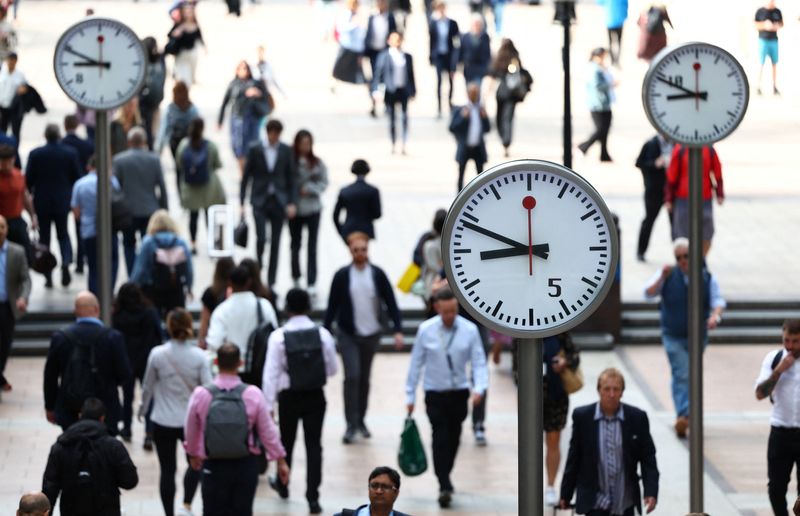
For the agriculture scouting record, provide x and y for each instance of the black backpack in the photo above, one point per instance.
(80, 380)
(194, 164)
(305, 360)
(256, 354)
(121, 218)
(86, 477)
(170, 267)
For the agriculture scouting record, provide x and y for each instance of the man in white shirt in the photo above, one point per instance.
(443, 347)
(12, 83)
(779, 380)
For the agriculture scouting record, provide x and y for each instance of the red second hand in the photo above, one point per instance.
(696, 67)
(528, 203)
(100, 40)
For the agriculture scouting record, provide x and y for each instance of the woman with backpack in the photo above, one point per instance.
(514, 83)
(175, 121)
(140, 324)
(163, 267)
(197, 163)
(174, 370)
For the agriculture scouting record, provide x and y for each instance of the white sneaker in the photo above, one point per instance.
(312, 291)
(183, 511)
(480, 437)
(550, 497)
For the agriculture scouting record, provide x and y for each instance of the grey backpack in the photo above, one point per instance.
(226, 424)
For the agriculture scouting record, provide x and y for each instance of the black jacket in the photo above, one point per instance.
(340, 305)
(84, 148)
(453, 41)
(654, 177)
(351, 512)
(51, 171)
(638, 450)
(283, 177)
(368, 36)
(113, 470)
(142, 332)
(362, 204)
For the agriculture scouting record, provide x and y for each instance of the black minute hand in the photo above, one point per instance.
(496, 236)
(84, 56)
(690, 92)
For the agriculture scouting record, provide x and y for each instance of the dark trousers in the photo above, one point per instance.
(474, 154)
(614, 44)
(296, 233)
(446, 411)
(596, 512)
(79, 251)
(602, 125)
(783, 453)
(229, 486)
(18, 233)
(357, 354)
(165, 439)
(505, 120)
(7, 323)
(127, 406)
(442, 64)
(11, 117)
(129, 240)
(48, 218)
(308, 406)
(148, 114)
(193, 216)
(479, 410)
(274, 213)
(90, 246)
(653, 200)
(391, 100)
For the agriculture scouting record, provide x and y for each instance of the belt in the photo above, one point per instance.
(787, 429)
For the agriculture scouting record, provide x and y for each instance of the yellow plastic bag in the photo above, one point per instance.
(409, 277)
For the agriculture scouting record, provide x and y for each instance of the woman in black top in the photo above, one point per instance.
(184, 40)
(514, 83)
(248, 98)
(214, 295)
(139, 323)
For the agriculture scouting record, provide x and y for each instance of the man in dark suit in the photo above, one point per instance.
(106, 347)
(468, 124)
(379, 26)
(51, 171)
(444, 42)
(15, 287)
(476, 51)
(613, 439)
(273, 171)
(85, 150)
(361, 203)
(653, 161)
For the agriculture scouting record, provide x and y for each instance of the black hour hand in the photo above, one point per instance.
(540, 250)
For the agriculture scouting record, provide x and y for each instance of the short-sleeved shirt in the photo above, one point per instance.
(210, 300)
(774, 15)
(12, 194)
(84, 196)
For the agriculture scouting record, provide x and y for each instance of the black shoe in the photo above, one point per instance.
(583, 148)
(314, 507)
(66, 278)
(445, 497)
(125, 433)
(606, 159)
(282, 490)
(349, 436)
(364, 431)
(148, 443)
(79, 269)
(640, 258)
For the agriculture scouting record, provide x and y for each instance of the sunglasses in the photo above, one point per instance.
(684, 256)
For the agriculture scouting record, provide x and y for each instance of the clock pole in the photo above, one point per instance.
(104, 230)
(530, 427)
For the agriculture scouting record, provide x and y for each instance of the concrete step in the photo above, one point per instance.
(722, 335)
(731, 317)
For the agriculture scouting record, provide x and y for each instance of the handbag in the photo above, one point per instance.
(571, 379)
(411, 455)
(240, 233)
(43, 260)
(406, 281)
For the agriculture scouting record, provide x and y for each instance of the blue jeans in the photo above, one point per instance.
(90, 247)
(677, 349)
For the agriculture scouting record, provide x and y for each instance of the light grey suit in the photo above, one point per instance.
(18, 285)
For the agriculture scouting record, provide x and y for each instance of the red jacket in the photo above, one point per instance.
(677, 186)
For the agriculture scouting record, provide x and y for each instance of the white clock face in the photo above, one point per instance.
(695, 94)
(100, 63)
(530, 248)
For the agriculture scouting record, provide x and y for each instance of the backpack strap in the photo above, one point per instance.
(775, 361)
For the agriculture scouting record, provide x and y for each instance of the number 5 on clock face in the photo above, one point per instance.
(530, 248)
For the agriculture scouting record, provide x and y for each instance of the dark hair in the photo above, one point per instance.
(246, 65)
(91, 163)
(597, 52)
(240, 277)
(222, 274)
(151, 46)
(180, 95)
(7, 151)
(444, 294)
(438, 220)
(505, 54)
(195, 133)
(51, 133)
(71, 122)
(179, 324)
(12, 55)
(130, 298)
(386, 470)
(360, 167)
(791, 326)
(312, 159)
(298, 302)
(256, 286)
(92, 408)
(228, 357)
(274, 125)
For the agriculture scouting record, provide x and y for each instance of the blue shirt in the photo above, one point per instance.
(365, 511)
(3, 260)
(443, 353)
(84, 197)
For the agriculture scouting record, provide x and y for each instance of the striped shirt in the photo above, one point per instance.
(613, 495)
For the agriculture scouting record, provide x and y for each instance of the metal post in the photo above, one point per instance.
(104, 237)
(565, 20)
(530, 412)
(696, 322)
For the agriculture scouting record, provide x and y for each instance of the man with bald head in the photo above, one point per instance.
(86, 359)
(15, 287)
(34, 504)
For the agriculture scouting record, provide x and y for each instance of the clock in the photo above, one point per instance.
(695, 94)
(100, 63)
(530, 248)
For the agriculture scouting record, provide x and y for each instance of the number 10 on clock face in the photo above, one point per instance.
(530, 248)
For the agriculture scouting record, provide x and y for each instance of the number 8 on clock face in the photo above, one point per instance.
(530, 248)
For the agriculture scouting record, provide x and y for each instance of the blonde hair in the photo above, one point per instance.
(161, 221)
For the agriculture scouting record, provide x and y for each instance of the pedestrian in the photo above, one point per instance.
(163, 268)
(445, 40)
(51, 172)
(312, 181)
(126, 119)
(653, 161)
(610, 443)
(184, 43)
(84, 208)
(431, 261)
(769, 21)
(14, 197)
(140, 324)
(300, 358)
(201, 188)
(8, 36)
(174, 370)
(616, 14)
(778, 380)
(600, 96)
(87, 466)
(383, 490)
(175, 120)
(86, 117)
(514, 82)
(152, 92)
(361, 203)
(227, 427)
(34, 504)
(85, 150)
(394, 69)
(213, 296)
(266, 74)
(443, 346)
(248, 99)
(475, 52)
(676, 192)
(12, 84)
(350, 32)
(468, 124)
(235, 318)
(271, 168)
(498, 12)
(85, 360)
(401, 10)
(379, 26)
(359, 294)
(15, 289)
(652, 33)
(257, 286)
(671, 284)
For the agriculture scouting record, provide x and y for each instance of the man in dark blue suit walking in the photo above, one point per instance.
(51, 171)
(468, 124)
(85, 150)
(361, 203)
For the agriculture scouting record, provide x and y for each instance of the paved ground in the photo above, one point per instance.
(752, 254)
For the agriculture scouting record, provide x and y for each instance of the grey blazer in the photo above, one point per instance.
(139, 173)
(18, 280)
(283, 178)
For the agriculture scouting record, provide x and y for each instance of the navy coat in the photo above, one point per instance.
(84, 148)
(453, 40)
(459, 126)
(362, 204)
(51, 171)
(283, 177)
(475, 54)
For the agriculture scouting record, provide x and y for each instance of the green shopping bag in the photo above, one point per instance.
(411, 455)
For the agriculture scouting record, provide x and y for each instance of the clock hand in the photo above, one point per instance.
(496, 236)
(528, 203)
(84, 56)
(540, 250)
(665, 81)
(701, 95)
(92, 63)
